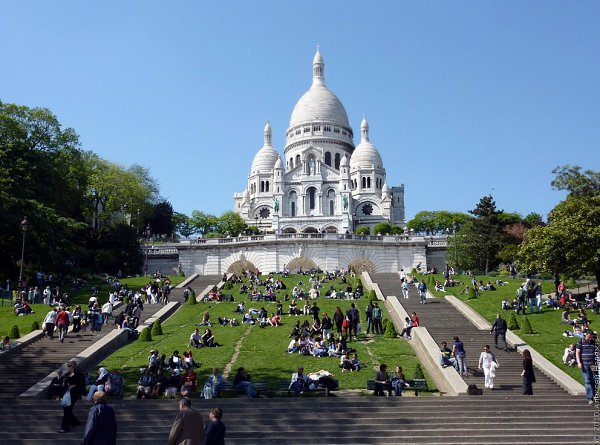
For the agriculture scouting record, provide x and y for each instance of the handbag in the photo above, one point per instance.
(66, 399)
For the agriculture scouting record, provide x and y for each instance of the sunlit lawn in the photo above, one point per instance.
(264, 350)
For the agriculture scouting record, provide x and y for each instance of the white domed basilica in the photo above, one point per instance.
(324, 183)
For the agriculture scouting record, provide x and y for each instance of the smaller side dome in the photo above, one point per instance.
(278, 164)
(265, 159)
(344, 162)
(365, 154)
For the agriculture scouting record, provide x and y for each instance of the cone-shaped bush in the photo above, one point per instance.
(526, 327)
(372, 295)
(431, 282)
(14, 332)
(419, 372)
(228, 285)
(126, 300)
(192, 298)
(472, 294)
(413, 272)
(384, 324)
(357, 282)
(156, 328)
(146, 334)
(390, 330)
(35, 326)
(512, 322)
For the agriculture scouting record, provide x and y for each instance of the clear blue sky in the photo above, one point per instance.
(464, 98)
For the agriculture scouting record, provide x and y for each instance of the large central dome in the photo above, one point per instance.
(319, 103)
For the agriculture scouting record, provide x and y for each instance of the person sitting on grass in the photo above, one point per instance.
(160, 384)
(173, 383)
(208, 339)
(294, 345)
(188, 361)
(356, 365)
(241, 308)
(175, 361)
(196, 339)
(248, 318)
(346, 363)
(569, 358)
(296, 330)
(319, 349)
(205, 320)
(275, 320)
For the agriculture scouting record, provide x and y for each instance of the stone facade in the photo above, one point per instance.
(326, 183)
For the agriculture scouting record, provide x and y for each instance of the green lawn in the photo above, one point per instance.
(547, 340)
(76, 296)
(263, 351)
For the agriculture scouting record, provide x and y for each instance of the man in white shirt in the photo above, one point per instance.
(49, 322)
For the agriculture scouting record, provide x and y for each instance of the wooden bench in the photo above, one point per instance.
(228, 389)
(415, 385)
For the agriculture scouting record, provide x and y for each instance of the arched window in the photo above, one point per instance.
(369, 182)
(312, 198)
(291, 163)
(364, 183)
(292, 200)
(297, 160)
(267, 186)
(328, 158)
(262, 186)
(331, 199)
(337, 161)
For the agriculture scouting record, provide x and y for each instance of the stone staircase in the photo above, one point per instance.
(489, 419)
(22, 368)
(443, 322)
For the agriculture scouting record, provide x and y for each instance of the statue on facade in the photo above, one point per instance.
(276, 205)
(345, 202)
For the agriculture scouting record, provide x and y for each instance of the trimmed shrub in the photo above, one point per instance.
(157, 328)
(363, 231)
(14, 332)
(493, 274)
(192, 298)
(390, 330)
(35, 326)
(146, 334)
(126, 300)
(512, 323)
(472, 294)
(419, 374)
(526, 327)
(413, 271)
(228, 285)
(372, 295)
(431, 282)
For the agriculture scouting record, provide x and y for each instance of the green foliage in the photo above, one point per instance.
(571, 283)
(512, 322)
(437, 222)
(126, 300)
(231, 224)
(363, 231)
(146, 334)
(493, 274)
(228, 285)
(472, 294)
(192, 298)
(419, 374)
(372, 295)
(14, 332)
(35, 326)
(390, 330)
(357, 281)
(526, 326)
(382, 228)
(580, 184)
(203, 223)
(413, 271)
(534, 219)
(184, 225)
(214, 235)
(157, 328)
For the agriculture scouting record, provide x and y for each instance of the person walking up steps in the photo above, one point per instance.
(405, 288)
(458, 350)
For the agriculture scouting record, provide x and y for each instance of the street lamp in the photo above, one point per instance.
(147, 234)
(454, 226)
(24, 228)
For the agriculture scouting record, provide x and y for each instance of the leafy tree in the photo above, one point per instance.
(509, 218)
(183, 225)
(575, 182)
(231, 223)
(363, 231)
(161, 221)
(534, 219)
(204, 223)
(479, 240)
(382, 228)
(436, 222)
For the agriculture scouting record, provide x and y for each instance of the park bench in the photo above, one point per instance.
(284, 385)
(228, 389)
(415, 385)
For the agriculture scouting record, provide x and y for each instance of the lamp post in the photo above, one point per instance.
(257, 229)
(453, 231)
(24, 228)
(147, 234)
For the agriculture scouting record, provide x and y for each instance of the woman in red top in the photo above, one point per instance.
(62, 322)
(415, 320)
(188, 380)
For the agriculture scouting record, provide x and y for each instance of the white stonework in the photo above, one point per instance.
(324, 183)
